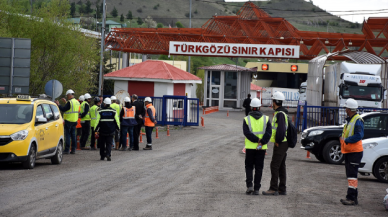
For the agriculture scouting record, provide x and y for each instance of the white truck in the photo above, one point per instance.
(302, 93)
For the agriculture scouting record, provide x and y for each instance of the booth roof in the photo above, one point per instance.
(153, 70)
(228, 67)
(255, 87)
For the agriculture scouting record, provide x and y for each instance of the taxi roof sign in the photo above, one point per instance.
(23, 98)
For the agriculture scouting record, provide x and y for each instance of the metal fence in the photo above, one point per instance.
(286, 103)
(157, 102)
(312, 116)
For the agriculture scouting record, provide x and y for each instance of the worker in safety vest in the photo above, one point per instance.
(85, 121)
(149, 121)
(93, 116)
(107, 124)
(279, 154)
(70, 110)
(351, 148)
(116, 107)
(257, 131)
(128, 122)
(79, 126)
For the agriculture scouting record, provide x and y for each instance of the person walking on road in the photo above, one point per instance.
(279, 155)
(139, 115)
(351, 148)
(116, 107)
(85, 121)
(128, 122)
(257, 131)
(93, 116)
(106, 125)
(149, 121)
(70, 109)
(246, 104)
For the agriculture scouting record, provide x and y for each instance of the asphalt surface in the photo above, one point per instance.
(197, 171)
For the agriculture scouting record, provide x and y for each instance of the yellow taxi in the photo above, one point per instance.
(30, 129)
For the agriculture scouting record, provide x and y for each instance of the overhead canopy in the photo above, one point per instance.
(228, 67)
(153, 71)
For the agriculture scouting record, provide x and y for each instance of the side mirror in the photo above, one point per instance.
(41, 120)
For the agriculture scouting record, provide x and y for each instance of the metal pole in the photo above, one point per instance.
(188, 68)
(12, 65)
(102, 49)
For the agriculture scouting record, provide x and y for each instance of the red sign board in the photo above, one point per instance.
(264, 67)
(294, 68)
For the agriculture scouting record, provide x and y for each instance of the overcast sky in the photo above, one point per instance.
(346, 5)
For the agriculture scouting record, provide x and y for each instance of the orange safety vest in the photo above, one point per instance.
(129, 113)
(147, 120)
(79, 120)
(347, 132)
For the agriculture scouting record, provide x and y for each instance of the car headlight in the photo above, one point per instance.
(369, 145)
(315, 132)
(21, 135)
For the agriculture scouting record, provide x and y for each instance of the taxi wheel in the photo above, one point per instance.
(57, 158)
(30, 162)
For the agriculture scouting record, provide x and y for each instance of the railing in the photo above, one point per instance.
(286, 103)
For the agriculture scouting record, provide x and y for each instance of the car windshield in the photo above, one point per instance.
(302, 90)
(15, 113)
(362, 93)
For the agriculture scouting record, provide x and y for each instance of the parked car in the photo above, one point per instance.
(324, 143)
(375, 158)
(30, 129)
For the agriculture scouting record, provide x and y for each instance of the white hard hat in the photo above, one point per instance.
(113, 98)
(107, 101)
(87, 96)
(351, 103)
(127, 99)
(69, 91)
(81, 98)
(278, 96)
(148, 99)
(255, 102)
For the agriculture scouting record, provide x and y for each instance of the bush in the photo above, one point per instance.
(139, 21)
(160, 25)
(179, 25)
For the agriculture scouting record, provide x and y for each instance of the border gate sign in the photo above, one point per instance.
(234, 50)
(15, 54)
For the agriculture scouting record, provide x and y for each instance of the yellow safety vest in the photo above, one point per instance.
(93, 114)
(71, 115)
(257, 127)
(116, 107)
(275, 126)
(87, 116)
(348, 131)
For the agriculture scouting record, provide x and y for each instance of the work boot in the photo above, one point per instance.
(93, 148)
(108, 158)
(249, 190)
(255, 192)
(348, 202)
(85, 148)
(102, 158)
(117, 146)
(282, 192)
(148, 147)
(123, 149)
(270, 192)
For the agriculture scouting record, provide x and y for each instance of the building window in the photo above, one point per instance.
(230, 90)
(216, 77)
(230, 104)
(215, 92)
(214, 103)
(208, 85)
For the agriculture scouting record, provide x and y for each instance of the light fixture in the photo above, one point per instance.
(282, 37)
(327, 41)
(301, 41)
(350, 43)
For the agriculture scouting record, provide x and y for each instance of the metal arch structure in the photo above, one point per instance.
(253, 25)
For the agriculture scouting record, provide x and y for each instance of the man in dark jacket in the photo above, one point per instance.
(257, 131)
(139, 115)
(106, 126)
(128, 122)
(279, 154)
(246, 105)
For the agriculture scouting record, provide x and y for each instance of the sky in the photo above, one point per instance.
(347, 5)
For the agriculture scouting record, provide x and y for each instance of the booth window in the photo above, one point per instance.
(230, 90)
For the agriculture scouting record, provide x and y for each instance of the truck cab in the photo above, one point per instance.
(302, 93)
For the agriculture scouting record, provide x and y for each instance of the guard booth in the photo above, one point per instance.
(226, 86)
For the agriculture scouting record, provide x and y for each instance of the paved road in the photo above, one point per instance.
(194, 172)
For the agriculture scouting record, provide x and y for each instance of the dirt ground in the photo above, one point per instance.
(197, 171)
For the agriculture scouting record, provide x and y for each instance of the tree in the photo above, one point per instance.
(69, 61)
(199, 91)
(88, 8)
(114, 12)
(129, 15)
(179, 25)
(160, 25)
(72, 9)
(150, 22)
(139, 21)
(82, 8)
(122, 18)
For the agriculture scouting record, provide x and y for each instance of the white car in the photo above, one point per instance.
(375, 158)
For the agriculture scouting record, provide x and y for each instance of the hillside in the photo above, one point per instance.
(303, 15)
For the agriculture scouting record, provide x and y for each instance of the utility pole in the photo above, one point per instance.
(189, 27)
(102, 49)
